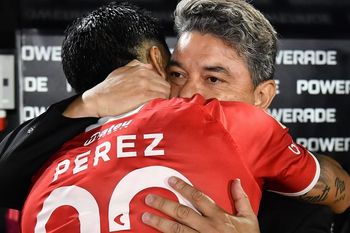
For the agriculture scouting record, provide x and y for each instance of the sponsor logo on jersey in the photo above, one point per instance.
(113, 128)
(294, 148)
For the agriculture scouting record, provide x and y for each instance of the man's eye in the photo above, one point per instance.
(214, 80)
(176, 78)
(175, 75)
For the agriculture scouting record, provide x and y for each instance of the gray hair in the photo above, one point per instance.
(239, 25)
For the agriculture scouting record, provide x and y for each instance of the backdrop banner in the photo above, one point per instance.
(40, 74)
(312, 76)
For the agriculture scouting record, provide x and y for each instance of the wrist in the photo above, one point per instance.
(82, 106)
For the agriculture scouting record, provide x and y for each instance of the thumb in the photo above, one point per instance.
(241, 200)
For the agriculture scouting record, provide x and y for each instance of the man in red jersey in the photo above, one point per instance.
(112, 167)
(97, 181)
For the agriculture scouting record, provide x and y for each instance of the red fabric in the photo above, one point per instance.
(106, 172)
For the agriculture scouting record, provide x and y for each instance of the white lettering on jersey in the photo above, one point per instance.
(76, 197)
(119, 203)
(105, 132)
(81, 162)
(157, 137)
(125, 148)
(106, 146)
(294, 149)
(133, 183)
(61, 168)
(121, 145)
(92, 139)
(128, 142)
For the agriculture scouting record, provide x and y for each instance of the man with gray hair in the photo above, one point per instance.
(238, 24)
(247, 32)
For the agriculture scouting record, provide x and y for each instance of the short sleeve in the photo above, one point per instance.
(275, 160)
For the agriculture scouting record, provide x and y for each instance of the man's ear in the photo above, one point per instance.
(264, 94)
(157, 60)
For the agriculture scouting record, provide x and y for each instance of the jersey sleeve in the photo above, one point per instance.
(277, 163)
(28, 147)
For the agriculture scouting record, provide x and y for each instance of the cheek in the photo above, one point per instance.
(248, 99)
(245, 97)
(210, 94)
(243, 92)
(235, 94)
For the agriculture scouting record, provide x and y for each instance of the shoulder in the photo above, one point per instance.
(243, 113)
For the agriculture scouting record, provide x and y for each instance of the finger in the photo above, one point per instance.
(154, 77)
(158, 90)
(130, 67)
(199, 200)
(118, 71)
(165, 225)
(150, 83)
(136, 62)
(241, 200)
(181, 213)
(152, 95)
(149, 88)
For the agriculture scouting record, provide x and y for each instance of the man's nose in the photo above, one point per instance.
(190, 88)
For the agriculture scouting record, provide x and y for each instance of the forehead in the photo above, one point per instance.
(205, 45)
(206, 49)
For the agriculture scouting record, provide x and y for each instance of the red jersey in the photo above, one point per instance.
(97, 182)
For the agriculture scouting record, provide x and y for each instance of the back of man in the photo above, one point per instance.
(98, 181)
(103, 175)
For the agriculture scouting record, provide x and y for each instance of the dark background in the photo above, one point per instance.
(292, 18)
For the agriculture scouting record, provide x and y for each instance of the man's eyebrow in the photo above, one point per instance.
(174, 63)
(218, 69)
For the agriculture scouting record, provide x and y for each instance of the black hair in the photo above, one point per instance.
(105, 39)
